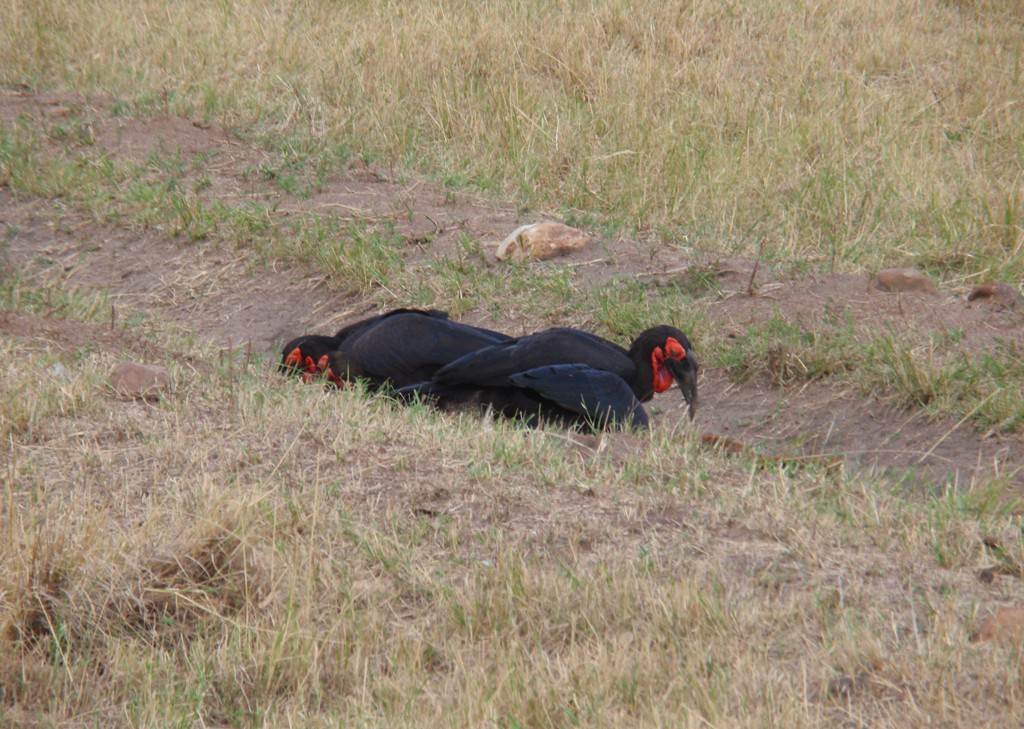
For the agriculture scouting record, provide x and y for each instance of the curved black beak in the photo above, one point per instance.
(685, 373)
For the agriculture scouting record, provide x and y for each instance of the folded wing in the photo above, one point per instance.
(493, 366)
(600, 397)
(410, 348)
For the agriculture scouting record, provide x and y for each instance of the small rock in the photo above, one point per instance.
(359, 170)
(902, 279)
(136, 380)
(541, 241)
(722, 442)
(997, 295)
(1005, 624)
(60, 371)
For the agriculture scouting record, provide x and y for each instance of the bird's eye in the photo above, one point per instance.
(673, 349)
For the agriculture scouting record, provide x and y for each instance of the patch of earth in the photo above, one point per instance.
(434, 222)
(431, 221)
(136, 140)
(225, 297)
(822, 419)
(846, 297)
(68, 336)
(213, 163)
(216, 165)
(21, 102)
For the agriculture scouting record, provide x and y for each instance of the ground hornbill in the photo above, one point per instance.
(399, 347)
(305, 355)
(568, 376)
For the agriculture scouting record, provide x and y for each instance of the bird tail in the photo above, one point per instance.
(438, 394)
(423, 391)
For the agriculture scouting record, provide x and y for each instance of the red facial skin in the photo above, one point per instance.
(294, 358)
(309, 369)
(662, 376)
(312, 370)
(324, 367)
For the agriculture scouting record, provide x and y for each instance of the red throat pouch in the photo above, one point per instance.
(662, 378)
(324, 365)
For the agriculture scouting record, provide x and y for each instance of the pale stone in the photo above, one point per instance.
(903, 279)
(540, 241)
(137, 380)
(998, 295)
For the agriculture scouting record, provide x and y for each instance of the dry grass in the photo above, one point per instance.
(849, 133)
(251, 552)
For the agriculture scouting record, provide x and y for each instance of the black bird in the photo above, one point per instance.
(305, 354)
(569, 376)
(400, 347)
(302, 354)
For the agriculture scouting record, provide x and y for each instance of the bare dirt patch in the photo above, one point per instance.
(18, 103)
(847, 297)
(136, 139)
(65, 335)
(214, 163)
(429, 218)
(819, 419)
(221, 295)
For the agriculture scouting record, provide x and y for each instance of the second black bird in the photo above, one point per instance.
(398, 348)
(569, 376)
